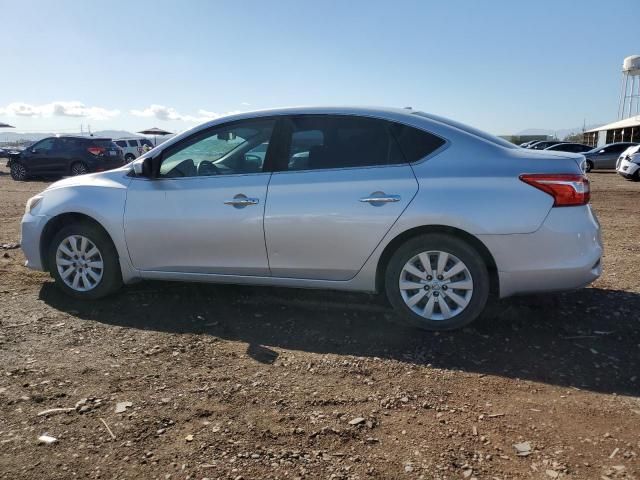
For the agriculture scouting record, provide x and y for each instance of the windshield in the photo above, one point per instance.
(468, 129)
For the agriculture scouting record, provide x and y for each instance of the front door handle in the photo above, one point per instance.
(380, 198)
(241, 201)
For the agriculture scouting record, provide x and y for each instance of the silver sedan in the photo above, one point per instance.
(436, 214)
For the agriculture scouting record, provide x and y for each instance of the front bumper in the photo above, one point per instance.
(627, 169)
(563, 254)
(31, 231)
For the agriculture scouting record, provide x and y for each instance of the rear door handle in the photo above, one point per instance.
(380, 198)
(241, 201)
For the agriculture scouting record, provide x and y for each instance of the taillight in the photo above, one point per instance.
(96, 150)
(566, 189)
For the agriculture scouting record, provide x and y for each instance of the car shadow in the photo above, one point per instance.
(588, 339)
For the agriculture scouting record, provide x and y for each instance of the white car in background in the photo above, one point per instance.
(628, 164)
(132, 148)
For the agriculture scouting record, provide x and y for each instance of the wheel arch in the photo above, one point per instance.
(58, 222)
(474, 241)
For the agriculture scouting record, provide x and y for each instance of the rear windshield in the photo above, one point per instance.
(103, 142)
(466, 128)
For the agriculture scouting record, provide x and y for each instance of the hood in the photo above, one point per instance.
(112, 178)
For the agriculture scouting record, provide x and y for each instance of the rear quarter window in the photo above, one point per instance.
(414, 143)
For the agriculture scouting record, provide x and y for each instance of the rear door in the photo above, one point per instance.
(342, 183)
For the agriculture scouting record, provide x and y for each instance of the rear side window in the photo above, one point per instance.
(133, 143)
(415, 143)
(335, 141)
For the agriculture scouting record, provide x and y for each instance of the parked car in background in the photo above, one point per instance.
(628, 164)
(569, 147)
(544, 144)
(436, 214)
(65, 155)
(529, 143)
(132, 148)
(605, 156)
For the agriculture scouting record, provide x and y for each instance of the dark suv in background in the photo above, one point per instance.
(65, 155)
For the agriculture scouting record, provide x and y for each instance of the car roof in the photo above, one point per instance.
(80, 137)
(405, 115)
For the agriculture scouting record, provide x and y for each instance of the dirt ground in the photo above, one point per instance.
(264, 383)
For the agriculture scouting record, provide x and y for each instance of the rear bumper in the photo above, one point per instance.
(563, 254)
(31, 231)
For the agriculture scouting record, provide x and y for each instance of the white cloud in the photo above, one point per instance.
(58, 109)
(162, 112)
(246, 104)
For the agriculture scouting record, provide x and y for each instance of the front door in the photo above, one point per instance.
(42, 158)
(342, 185)
(204, 211)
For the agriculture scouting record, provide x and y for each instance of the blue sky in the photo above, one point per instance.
(499, 65)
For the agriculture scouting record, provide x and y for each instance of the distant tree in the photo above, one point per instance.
(574, 137)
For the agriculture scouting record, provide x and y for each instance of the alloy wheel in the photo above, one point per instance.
(18, 171)
(78, 169)
(79, 263)
(436, 285)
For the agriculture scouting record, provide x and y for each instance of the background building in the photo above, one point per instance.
(627, 128)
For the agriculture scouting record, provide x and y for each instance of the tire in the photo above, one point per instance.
(102, 281)
(129, 157)
(473, 276)
(19, 171)
(78, 168)
(589, 166)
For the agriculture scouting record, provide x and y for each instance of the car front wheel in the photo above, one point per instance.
(84, 262)
(589, 166)
(18, 171)
(437, 282)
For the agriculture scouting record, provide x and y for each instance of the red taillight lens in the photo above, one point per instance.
(566, 189)
(96, 150)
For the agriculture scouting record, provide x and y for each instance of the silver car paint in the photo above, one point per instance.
(470, 184)
(221, 238)
(316, 225)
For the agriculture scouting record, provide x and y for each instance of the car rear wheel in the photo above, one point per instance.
(18, 171)
(84, 262)
(79, 168)
(129, 157)
(437, 282)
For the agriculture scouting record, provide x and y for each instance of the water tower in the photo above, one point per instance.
(630, 92)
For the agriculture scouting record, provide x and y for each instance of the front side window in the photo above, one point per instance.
(44, 146)
(335, 141)
(236, 148)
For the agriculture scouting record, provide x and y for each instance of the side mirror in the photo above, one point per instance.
(143, 167)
